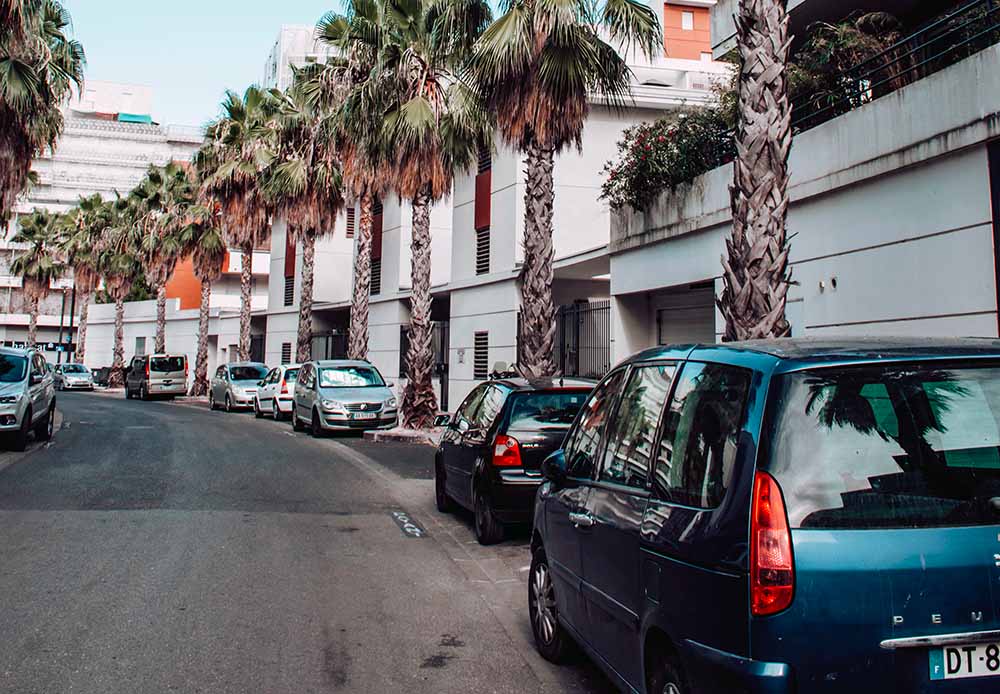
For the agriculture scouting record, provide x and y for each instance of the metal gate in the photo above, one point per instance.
(330, 346)
(583, 339)
(440, 343)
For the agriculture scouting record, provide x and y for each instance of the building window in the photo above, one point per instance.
(375, 286)
(483, 251)
(289, 290)
(351, 222)
(286, 352)
(140, 346)
(481, 356)
(687, 21)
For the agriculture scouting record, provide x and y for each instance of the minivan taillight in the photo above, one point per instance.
(147, 368)
(506, 451)
(772, 572)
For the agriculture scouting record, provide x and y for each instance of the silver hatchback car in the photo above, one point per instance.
(235, 385)
(27, 396)
(342, 395)
(72, 376)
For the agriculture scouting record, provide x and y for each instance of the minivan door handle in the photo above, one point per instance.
(581, 520)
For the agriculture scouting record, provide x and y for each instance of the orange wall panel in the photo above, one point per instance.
(184, 285)
(688, 44)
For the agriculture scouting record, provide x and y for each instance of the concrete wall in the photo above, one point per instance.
(890, 220)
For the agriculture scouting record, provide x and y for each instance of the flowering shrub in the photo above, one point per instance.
(663, 154)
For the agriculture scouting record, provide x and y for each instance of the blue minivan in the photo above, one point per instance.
(800, 515)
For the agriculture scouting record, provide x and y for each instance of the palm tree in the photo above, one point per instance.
(356, 124)
(239, 150)
(37, 265)
(40, 65)
(120, 260)
(756, 273)
(80, 240)
(537, 65)
(203, 240)
(434, 124)
(305, 183)
(162, 197)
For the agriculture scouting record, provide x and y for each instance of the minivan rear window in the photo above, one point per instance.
(902, 446)
(166, 364)
(545, 410)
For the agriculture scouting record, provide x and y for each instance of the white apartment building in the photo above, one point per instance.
(297, 46)
(109, 142)
(894, 217)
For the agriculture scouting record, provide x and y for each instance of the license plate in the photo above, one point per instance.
(364, 415)
(960, 662)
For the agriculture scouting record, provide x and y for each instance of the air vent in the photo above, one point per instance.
(286, 352)
(483, 251)
(485, 158)
(351, 222)
(289, 290)
(376, 279)
(481, 356)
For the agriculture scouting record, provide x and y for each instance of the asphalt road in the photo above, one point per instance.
(157, 547)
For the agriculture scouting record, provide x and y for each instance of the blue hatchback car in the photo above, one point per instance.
(802, 516)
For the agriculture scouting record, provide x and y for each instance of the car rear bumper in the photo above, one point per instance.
(513, 495)
(172, 389)
(715, 670)
(284, 404)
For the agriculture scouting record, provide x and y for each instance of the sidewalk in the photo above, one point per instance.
(401, 435)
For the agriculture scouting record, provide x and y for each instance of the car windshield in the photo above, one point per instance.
(75, 369)
(247, 373)
(291, 375)
(895, 446)
(349, 377)
(166, 364)
(12, 368)
(545, 410)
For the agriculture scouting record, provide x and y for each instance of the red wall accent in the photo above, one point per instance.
(184, 285)
(687, 44)
(289, 256)
(377, 237)
(483, 194)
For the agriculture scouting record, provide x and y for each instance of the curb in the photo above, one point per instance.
(425, 438)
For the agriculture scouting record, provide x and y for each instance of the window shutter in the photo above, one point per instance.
(483, 251)
(286, 352)
(351, 222)
(289, 290)
(375, 285)
(481, 356)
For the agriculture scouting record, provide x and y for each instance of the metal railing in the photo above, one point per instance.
(940, 44)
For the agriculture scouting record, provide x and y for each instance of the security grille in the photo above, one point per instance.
(483, 251)
(351, 222)
(485, 158)
(376, 279)
(286, 352)
(481, 355)
(289, 290)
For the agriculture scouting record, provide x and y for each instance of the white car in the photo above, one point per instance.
(274, 392)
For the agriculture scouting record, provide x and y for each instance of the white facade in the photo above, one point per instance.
(296, 45)
(891, 225)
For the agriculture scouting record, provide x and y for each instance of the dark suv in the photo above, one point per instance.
(795, 516)
(493, 448)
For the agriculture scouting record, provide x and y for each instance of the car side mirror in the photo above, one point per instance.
(36, 379)
(554, 467)
(390, 384)
(442, 420)
(462, 425)
(260, 384)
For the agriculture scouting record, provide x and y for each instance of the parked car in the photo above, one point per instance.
(274, 392)
(342, 395)
(27, 396)
(102, 375)
(72, 377)
(491, 452)
(153, 375)
(788, 516)
(234, 386)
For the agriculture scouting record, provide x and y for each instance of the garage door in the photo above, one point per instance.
(685, 317)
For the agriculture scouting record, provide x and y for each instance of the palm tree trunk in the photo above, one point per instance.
(116, 379)
(161, 319)
(303, 349)
(756, 273)
(538, 312)
(357, 347)
(32, 319)
(420, 404)
(246, 276)
(81, 332)
(200, 384)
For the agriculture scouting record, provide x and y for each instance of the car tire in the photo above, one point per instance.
(316, 427)
(257, 412)
(551, 639)
(296, 422)
(667, 678)
(441, 499)
(229, 403)
(19, 441)
(489, 531)
(211, 401)
(275, 411)
(128, 393)
(143, 393)
(44, 428)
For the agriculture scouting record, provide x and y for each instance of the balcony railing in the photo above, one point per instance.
(940, 44)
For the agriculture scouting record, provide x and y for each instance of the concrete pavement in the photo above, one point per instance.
(156, 548)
